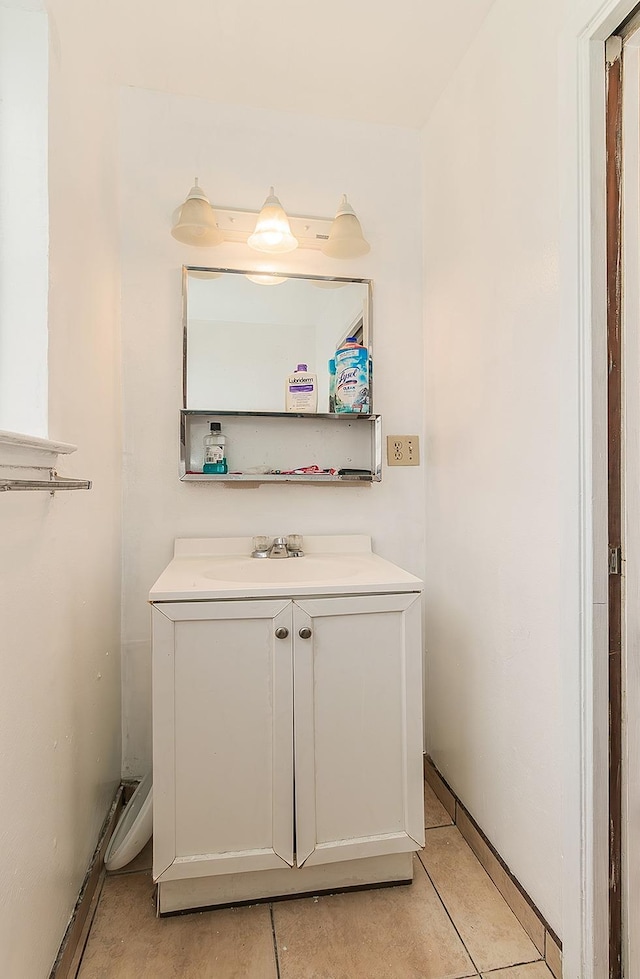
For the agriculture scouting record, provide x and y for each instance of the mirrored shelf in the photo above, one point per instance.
(266, 447)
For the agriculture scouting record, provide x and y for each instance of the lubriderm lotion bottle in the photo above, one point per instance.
(301, 391)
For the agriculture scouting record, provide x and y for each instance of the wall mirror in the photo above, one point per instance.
(244, 332)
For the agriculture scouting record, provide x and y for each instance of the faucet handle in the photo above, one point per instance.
(294, 545)
(261, 546)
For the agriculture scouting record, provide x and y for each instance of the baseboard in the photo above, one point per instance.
(540, 933)
(68, 958)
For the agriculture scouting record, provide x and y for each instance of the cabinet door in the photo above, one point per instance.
(222, 738)
(358, 727)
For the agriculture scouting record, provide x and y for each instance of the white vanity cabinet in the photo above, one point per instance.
(287, 745)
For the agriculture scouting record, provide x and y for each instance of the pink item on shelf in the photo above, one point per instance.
(308, 470)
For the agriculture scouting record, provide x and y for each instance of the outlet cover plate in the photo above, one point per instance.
(403, 450)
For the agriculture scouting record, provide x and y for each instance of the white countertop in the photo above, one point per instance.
(222, 567)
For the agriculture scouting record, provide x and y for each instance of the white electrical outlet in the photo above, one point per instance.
(403, 450)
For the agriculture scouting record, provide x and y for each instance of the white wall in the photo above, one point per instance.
(502, 477)
(237, 153)
(60, 557)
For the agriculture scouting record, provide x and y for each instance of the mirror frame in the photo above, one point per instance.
(368, 320)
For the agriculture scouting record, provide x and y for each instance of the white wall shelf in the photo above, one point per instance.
(31, 451)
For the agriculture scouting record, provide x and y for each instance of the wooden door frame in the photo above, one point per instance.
(630, 663)
(584, 303)
(613, 127)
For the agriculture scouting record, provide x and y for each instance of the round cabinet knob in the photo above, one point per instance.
(305, 633)
(282, 633)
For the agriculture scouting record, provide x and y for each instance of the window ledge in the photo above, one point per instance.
(29, 451)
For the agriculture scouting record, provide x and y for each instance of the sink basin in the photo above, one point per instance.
(315, 567)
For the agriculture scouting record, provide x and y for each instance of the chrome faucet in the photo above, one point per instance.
(280, 547)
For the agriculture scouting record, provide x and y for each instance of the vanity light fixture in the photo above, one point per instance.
(345, 239)
(196, 220)
(272, 233)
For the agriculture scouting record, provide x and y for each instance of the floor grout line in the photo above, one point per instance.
(516, 965)
(275, 940)
(541, 955)
(512, 965)
(446, 911)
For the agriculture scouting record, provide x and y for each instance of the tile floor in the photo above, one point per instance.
(451, 922)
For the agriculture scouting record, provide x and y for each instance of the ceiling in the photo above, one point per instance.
(367, 60)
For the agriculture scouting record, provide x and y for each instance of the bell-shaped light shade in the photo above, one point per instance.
(265, 279)
(272, 232)
(345, 238)
(196, 221)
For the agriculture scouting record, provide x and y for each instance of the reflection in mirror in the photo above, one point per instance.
(246, 332)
